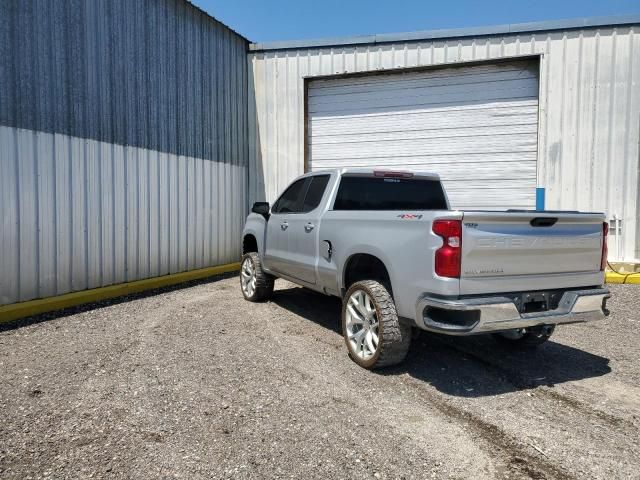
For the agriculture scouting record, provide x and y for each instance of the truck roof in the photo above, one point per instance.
(372, 171)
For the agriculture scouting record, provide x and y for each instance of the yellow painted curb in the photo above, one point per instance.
(35, 307)
(613, 277)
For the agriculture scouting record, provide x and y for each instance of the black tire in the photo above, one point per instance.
(263, 281)
(394, 338)
(531, 338)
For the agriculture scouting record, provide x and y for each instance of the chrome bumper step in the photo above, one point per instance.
(472, 316)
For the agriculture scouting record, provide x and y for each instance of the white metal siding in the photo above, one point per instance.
(589, 112)
(475, 126)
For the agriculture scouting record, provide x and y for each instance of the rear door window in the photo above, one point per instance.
(374, 193)
(315, 192)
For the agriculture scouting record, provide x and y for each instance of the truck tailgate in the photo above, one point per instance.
(515, 251)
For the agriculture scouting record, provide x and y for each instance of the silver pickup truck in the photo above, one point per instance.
(387, 243)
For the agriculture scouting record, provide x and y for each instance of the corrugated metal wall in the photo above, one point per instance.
(123, 145)
(156, 74)
(589, 111)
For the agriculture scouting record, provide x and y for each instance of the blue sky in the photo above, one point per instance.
(267, 20)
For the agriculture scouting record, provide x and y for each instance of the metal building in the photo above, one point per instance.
(497, 111)
(135, 134)
(123, 145)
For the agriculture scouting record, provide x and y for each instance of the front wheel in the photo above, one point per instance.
(256, 285)
(526, 338)
(374, 336)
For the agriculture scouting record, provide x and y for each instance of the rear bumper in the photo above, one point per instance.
(492, 314)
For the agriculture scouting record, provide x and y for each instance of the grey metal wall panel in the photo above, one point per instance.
(123, 143)
(80, 214)
(589, 110)
(146, 73)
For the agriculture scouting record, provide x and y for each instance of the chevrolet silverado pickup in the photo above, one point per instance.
(389, 245)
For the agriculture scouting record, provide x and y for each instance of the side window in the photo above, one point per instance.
(315, 192)
(291, 200)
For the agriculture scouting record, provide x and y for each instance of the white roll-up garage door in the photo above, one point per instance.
(476, 126)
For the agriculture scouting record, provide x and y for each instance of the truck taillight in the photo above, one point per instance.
(605, 248)
(448, 257)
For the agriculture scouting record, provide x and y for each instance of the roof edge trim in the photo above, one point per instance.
(451, 33)
(219, 22)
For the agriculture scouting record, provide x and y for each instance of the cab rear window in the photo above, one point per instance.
(373, 193)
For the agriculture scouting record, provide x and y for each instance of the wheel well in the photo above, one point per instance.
(249, 244)
(363, 266)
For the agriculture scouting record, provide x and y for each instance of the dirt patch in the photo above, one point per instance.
(197, 383)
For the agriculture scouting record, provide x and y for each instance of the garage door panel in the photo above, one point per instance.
(435, 146)
(406, 135)
(438, 162)
(464, 120)
(400, 89)
(512, 170)
(490, 196)
(424, 95)
(474, 96)
(424, 121)
(498, 108)
(395, 90)
(460, 74)
(475, 126)
(507, 172)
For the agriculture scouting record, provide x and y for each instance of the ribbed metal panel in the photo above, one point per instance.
(589, 112)
(80, 214)
(123, 143)
(156, 74)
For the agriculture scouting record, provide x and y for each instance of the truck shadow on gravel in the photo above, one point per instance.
(475, 366)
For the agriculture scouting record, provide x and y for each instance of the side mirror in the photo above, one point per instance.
(261, 208)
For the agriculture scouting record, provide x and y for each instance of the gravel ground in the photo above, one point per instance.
(197, 383)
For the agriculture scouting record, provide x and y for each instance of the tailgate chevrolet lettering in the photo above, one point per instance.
(522, 242)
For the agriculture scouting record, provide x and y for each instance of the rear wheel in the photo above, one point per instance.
(256, 285)
(525, 338)
(374, 336)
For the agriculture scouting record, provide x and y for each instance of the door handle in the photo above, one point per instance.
(284, 225)
(308, 227)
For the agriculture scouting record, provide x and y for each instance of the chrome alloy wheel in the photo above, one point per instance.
(362, 325)
(248, 277)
